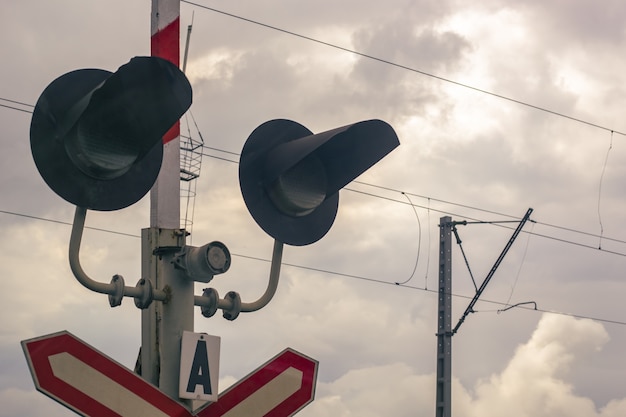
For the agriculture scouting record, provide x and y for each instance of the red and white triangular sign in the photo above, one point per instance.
(78, 376)
(280, 388)
(93, 385)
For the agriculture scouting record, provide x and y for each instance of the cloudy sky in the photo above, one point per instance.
(499, 106)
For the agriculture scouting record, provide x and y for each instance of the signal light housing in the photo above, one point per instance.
(290, 177)
(96, 136)
(202, 263)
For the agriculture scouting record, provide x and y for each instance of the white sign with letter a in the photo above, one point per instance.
(199, 366)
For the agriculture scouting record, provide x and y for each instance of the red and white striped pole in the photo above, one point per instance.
(162, 324)
(165, 43)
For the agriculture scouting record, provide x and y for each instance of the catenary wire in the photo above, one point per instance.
(335, 273)
(606, 161)
(601, 237)
(439, 211)
(458, 215)
(432, 291)
(15, 108)
(557, 239)
(9, 106)
(419, 243)
(12, 213)
(428, 250)
(519, 270)
(488, 211)
(403, 67)
(17, 102)
(374, 58)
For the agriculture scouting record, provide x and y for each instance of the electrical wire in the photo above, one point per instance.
(12, 213)
(15, 108)
(410, 287)
(601, 237)
(606, 161)
(419, 243)
(340, 274)
(482, 210)
(9, 106)
(459, 215)
(220, 158)
(428, 250)
(383, 61)
(403, 67)
(21, 103)
(519, 270)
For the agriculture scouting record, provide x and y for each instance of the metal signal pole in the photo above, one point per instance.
(162, 324)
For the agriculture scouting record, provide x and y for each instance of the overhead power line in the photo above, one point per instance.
(604, 238)
(566, 229)
(373, 58)
(341, 274)
(12, 213)
(404, 67)
(451, 213)
(434, 291)
(21, 103)
(15, 108)
(13, 102)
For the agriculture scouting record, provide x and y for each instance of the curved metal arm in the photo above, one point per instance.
(277, 258)
(75, 239)
(228, 303)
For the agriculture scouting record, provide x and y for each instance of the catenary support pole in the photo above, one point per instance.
(444, 320)
(445, 331)
(162, 324)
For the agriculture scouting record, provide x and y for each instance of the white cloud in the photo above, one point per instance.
(532, 383)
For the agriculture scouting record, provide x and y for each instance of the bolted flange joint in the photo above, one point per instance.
(116, 296)
(213, 298)
(235, 300)
(144, 299)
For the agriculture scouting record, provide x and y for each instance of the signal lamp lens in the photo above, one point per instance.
(301, 189)
(103, 152)
(218, 257)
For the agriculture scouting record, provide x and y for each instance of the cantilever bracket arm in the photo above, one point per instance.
(470, 307)
(143, 293)
(231, 304)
